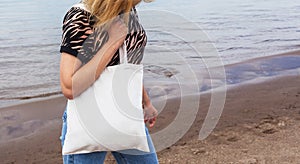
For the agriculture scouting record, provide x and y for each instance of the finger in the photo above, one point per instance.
(154, 114)
(152, 122)
(119, 21)
(88, 32)
(114, 21)
(122, 20)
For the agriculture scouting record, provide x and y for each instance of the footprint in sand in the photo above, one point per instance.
(270, 125)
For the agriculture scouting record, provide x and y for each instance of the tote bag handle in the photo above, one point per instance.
(123, 54)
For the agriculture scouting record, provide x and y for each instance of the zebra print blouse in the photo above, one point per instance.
(77, 42)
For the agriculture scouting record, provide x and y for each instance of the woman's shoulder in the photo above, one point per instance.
(77, 12)
(80, 6)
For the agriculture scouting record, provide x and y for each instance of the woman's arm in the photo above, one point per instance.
(150, 112)
(75, 79)
(146, 99)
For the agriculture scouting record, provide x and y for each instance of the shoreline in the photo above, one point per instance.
(287, 53)
(232, 71)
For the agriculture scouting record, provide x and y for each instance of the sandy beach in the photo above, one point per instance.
(193, 48)
(260, 124)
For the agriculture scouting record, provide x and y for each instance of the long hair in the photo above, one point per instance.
(106, 10)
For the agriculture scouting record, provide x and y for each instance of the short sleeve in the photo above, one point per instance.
(74, 31)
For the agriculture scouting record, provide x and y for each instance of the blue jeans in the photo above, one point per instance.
(98, 157)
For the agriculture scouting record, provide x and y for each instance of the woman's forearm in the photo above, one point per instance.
(84, 77)
(146, 99)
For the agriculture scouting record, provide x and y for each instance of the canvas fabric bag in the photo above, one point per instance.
(108, 116)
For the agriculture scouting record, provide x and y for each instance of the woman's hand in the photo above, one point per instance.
(117, 32)
(150, 114)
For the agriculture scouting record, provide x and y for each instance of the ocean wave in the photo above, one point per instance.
(32, 96)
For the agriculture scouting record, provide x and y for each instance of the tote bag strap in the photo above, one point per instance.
(123, 54)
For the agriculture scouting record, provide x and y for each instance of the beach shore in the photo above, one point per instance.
(259, 124)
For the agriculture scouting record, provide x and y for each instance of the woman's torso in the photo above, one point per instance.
(77, 42)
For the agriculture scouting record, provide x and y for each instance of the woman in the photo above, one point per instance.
(92, 35)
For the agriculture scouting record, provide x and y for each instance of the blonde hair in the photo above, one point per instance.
(106, 10)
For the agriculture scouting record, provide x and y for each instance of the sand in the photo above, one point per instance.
(260, 124)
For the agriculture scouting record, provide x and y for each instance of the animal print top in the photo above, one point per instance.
(77, 42)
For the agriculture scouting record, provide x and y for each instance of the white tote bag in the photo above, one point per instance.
(108, 116)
